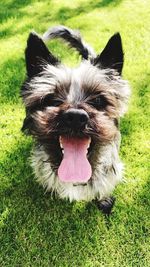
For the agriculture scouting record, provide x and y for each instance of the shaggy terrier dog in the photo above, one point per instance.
(73, 114)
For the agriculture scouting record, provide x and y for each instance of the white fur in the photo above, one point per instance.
(106, 176)
(75, 78)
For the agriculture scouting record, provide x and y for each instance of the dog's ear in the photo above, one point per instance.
(37, 55)
(112, 56)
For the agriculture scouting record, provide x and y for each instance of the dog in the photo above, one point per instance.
(73, 115)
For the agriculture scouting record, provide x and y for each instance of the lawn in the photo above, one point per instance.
(38, 230)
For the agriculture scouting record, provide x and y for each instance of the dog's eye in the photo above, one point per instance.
(99, 102)
(51, 101)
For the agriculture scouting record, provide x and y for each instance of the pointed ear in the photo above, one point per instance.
(37, 55)
(112, 56)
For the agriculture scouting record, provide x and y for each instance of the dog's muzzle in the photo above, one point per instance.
(75, 118)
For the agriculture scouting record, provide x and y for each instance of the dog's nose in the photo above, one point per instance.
(75, 118)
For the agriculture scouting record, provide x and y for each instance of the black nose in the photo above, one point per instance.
(75, 118)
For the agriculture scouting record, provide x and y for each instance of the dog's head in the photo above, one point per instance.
(71, 112)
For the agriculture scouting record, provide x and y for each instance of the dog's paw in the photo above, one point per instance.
(106, 205)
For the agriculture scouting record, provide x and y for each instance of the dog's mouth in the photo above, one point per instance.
(75, 166)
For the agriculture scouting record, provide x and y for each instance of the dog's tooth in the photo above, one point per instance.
(61, 145)
(89, 142)
(60, 141)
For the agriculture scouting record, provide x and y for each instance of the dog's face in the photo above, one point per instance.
(71, 112)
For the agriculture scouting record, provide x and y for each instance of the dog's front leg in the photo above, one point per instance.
(106, 205)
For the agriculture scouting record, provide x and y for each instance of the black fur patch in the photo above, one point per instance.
(112, 56)
(72, 37)
(106, 205)
(37, 55)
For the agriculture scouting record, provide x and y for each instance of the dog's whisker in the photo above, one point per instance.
(73, 115)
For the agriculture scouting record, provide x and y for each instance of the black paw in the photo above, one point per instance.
(106, 205)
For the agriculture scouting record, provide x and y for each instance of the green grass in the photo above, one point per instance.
(36, 230)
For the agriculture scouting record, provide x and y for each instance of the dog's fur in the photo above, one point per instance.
(95, 86)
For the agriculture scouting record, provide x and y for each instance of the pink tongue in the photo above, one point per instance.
(75, 167)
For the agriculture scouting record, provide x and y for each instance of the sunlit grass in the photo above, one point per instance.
(36, 230)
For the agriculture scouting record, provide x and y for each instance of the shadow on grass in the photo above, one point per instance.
(12, 8)
(66, 13)
(34, 218)
(105, 3)
(41, 230)
(13, 75)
